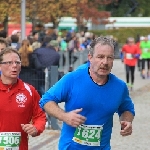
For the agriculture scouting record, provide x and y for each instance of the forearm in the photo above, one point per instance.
(127, 116)
(54, 110)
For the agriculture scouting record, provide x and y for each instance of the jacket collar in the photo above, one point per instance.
(17, 85)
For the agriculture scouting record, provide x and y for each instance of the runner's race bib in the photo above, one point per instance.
(145, 50)
(89, 135)
(10, 140)
(129, 56)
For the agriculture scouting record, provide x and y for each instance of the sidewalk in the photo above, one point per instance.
(139, 140)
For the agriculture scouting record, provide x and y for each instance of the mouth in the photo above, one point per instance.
(103, 69)
(14, 72)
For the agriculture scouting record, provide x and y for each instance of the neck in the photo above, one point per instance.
(100, 80)
(8, 81)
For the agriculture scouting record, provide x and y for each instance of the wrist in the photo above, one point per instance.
(35, 131)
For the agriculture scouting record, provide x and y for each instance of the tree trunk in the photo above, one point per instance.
(5, 24)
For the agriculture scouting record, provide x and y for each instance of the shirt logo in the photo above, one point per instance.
(21, 99)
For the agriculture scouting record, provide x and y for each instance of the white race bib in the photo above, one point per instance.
(145, 50)
(129, 56)
(10, 140)
(89, 135)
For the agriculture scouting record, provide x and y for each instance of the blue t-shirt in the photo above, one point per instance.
(83, 66)
(99, 103)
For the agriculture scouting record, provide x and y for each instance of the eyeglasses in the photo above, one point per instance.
(11, 63)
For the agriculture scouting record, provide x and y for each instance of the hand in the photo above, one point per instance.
(74, 119)
(126, 128)
(29, 129)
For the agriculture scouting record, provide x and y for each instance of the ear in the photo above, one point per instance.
(89, 57)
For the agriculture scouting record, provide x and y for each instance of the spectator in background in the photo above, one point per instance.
(41, 34)
(15, 42)
(73, 46)
(3, 44)
(48, 55)
(28, 73)
(131, 54)
(47, 38)
(25, 46)
(54, 35)
(63, 48)
(68, 36)
(82, 46)
(71, 50)
(3, 34)
(45, 57)
(36, 44)
(18, 34)
(30, 37)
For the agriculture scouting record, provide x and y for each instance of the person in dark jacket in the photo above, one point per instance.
(45, 57)
(48, 55)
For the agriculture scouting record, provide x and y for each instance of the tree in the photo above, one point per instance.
(52, 10)
(3, 10)
(9, 10)
(135, 8)
(89, 10)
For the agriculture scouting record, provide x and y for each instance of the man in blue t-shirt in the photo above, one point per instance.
(92, 95)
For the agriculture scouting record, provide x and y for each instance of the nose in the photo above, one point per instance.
(105, 60)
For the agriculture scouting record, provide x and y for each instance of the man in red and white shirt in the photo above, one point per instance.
(20, 114)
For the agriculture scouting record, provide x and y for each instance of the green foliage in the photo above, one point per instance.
(121, 8)
(123, 33)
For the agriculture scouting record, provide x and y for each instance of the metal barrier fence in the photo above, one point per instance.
(65, 62)
(81, 58)
(42, 80)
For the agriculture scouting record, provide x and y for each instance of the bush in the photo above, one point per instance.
(123, 33)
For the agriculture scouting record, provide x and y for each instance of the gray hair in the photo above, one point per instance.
(103, 40)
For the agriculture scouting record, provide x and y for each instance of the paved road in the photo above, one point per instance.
(139, 140)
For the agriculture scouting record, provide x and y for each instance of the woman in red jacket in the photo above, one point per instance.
(20, 114)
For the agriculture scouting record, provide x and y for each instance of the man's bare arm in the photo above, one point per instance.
(54, 110)
(71, 118)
